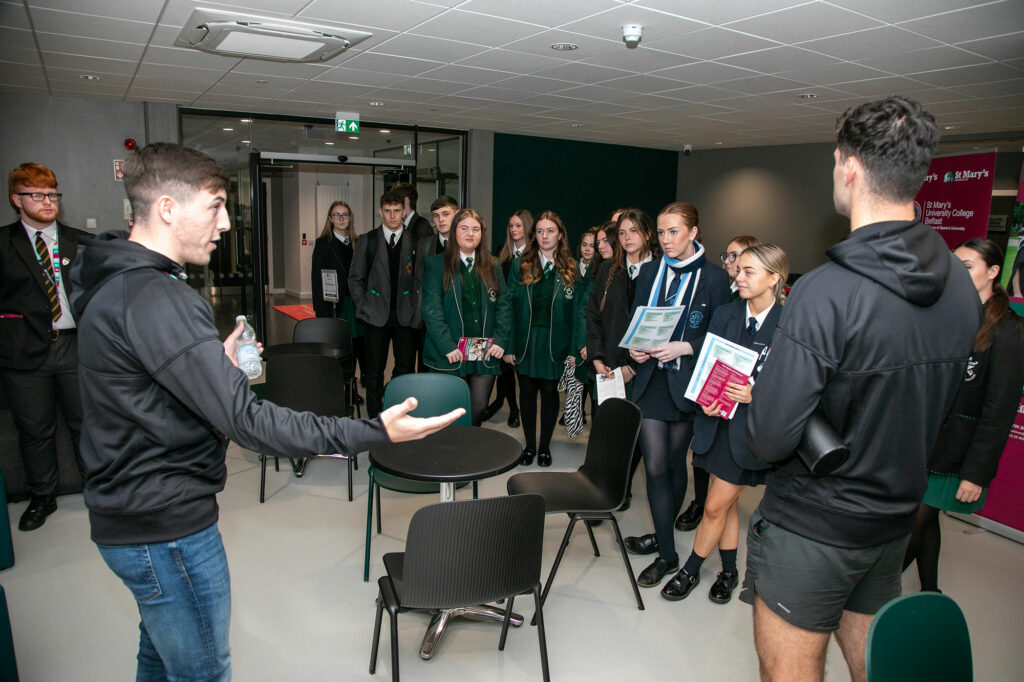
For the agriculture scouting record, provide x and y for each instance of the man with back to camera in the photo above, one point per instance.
(38, 348)
(162, 395)
(383, 284)
(442, 211)
(878, 338)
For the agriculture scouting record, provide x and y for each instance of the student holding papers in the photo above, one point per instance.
(682, 278)
(461, 310)
(544, 299)
(720, 444)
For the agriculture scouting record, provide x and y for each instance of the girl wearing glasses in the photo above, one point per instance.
(543, 294)
(460, 295)
(681, 278)
(332, 250)
(730, 260)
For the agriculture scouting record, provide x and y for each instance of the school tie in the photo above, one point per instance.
(469, 264)
(673, 288)
(344, 240)
(550, 265)
(516, 254)
(43, 254)
(632, 271)
(752, 326)
(393, 240)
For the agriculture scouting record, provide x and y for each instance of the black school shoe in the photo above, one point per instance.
(526, 459)
(544, 458)
(641, 544)
(656, 572)
(38, 509)
(725, 583)
(513, 419)
(680, 586)
(690, 518)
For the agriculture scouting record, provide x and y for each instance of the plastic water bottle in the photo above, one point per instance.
(247, 353)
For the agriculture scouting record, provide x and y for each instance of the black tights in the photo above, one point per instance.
(924, 545)
(507, 388)
(480, 386)
(664, 446)
(529, 387)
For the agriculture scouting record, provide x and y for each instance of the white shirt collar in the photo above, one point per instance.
(49, 233)
(443, 239)
(344, 240)
(583, 268)
(633, 269)
(388, 233)
(465, 259)
(408, 219)
(518, 250)
(760, 317)
(544, 262)
(733, 287)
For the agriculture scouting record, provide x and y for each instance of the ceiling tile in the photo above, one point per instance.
(712, 43)
(656, 25)
(880, 87)
(13, 15)
(467, 75)
(430, 86)
(717, 11)
(196, 77)
(86, 26)
(703, 73)
(1001, 47)
(534, 85)
(22, 75)
(757, 85)
(588, 47)
(830, 74)
(137, 10)
(967, 75)
(642, 84)
(776, 59)
(177, 56)
(93, 65)
(267, 68)
(993, 19)
(480, 28)
(553, 14)
(931, 59)
(18, 55)
(422, 47)
(581, 72)
(887, 41)
(390, 65)
(640, 60)
(341, 74)
(805, 22)
(701, 93)
(509, 60)
(394, 15)
(11, 37)
(892, 12)
(90, 47)
(107, 79)
(996, 89)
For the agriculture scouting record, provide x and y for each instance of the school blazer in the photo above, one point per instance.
(371, 287)
(712, 292)
(561, 317)
(442, 315)
(24, 306)
(729, 322)
(329, 254)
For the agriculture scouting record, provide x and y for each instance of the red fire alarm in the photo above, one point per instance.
(130, 144)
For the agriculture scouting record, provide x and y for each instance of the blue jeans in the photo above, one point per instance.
(183, 592)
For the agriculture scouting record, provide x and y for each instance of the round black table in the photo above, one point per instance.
(454, 454)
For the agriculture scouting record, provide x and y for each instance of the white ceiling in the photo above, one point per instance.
(707, 73)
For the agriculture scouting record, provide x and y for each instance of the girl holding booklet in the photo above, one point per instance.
(460, 299)
(543, 298)
(720, 444)
(684, 278)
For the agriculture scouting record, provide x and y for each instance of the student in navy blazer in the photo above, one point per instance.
(684, 278)
(720, 444)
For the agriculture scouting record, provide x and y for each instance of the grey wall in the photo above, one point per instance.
(779, 194)
(480, 183)
(79, 139)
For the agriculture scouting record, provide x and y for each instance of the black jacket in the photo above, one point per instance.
(729, 322)
(160, 399)
(879, 338)
(329, 253)
(24, 305)
(605, 326)
(974, 434)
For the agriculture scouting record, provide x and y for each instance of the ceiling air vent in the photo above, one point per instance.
(254, 37)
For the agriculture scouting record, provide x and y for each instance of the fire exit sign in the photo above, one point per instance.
(346, 122)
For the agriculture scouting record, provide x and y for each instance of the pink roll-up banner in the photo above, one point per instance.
(956, 196)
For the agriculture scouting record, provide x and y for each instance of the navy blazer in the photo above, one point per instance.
(712, 292)
(729, 322)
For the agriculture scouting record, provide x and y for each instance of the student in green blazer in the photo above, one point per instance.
(543, 296)
(460, 294)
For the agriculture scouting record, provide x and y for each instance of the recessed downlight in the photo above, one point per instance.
(565, 47)
(952, 127)
(375, 103)
(575, 124)
(245, 120)
(353, 137)
(89, 77)
(385, 131)
(329, 144)
(228, 130)
(807, 95)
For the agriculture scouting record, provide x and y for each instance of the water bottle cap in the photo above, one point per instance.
(240, 318)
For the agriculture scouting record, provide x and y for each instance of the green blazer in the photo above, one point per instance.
(561, 319)
(442, 317)
(580, 328)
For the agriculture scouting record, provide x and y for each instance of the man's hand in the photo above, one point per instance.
(401, 427)
(231, 344)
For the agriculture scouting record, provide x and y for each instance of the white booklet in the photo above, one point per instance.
(611, 387)
(717, 349)
(651, 326)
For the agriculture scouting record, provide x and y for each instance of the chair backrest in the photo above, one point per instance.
(919, 637)
(323, 330)
(472, 551)
(307, 383)
(613, 437)
(436, 394)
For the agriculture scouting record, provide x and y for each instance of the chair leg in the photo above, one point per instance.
(376, 634)
(348, 460)
(504, 623)
(625, 560)
(369, 526)
(355, 461)
(539, 617)
(476, 494)
(378, 509)
(558, 560)
(593, 542)
(263, 477)
(277, 464)
(394, 645)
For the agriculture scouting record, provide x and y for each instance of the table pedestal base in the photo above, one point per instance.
(435, 631)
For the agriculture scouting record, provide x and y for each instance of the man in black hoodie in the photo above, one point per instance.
(162, 395)
(877, 339)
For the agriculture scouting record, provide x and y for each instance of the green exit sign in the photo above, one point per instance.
(346, 122)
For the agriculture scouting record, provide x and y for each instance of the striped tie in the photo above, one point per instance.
(43, 254)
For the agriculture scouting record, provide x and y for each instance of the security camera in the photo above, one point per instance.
(631, 35)
(342, 158)
(687, 149)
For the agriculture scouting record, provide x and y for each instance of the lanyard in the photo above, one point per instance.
(54, 262)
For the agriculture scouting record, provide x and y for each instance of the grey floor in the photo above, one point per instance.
(302, 612)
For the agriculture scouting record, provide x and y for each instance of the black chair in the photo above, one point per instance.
(596, 489)
(305, 383)
(337, 333)
(465, 553)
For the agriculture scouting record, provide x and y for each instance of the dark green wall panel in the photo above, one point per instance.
(582, 182)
